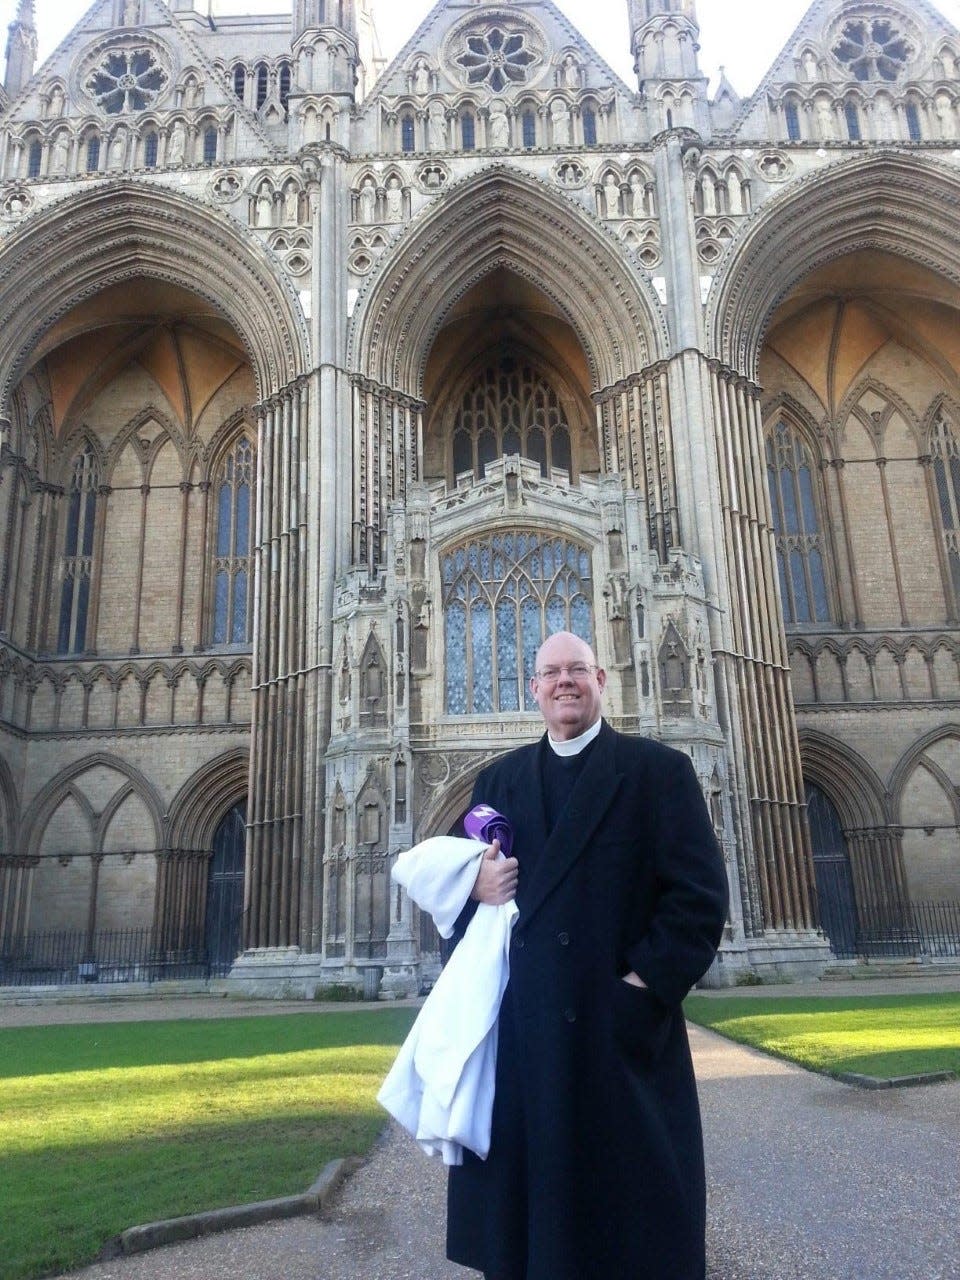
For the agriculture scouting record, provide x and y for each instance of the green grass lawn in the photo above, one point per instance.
(878, 1036)
(106, 1126)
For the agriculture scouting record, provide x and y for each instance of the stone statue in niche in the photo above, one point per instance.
(636, 195)
(811, 71)
(56, 102)
(437, 127)
(367, 201)
(826, 121)
(946, 115)
(131, 13)
(118, 149)
(570, 74)
(394, 200)
(177, 147)
(886, 124)
(338, 827)
(421, 77)
(611, 197)
(61, 154)
(560, 120)
(499, 127)
(264, 214)
(291, 205)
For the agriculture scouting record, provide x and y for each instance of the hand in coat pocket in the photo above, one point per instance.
(641, 1022)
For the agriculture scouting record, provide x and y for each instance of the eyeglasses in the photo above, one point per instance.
(575, 670)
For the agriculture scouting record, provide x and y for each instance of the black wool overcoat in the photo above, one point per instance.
(595, 1169)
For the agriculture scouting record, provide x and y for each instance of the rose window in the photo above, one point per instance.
(873, 49)
(497, 58)
(126, 80)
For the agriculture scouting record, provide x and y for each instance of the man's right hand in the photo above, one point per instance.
(496, 881)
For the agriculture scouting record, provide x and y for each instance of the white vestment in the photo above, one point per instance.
(440, 1088)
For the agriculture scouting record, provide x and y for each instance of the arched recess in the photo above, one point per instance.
(925, 799)
(9, 811)
(503, 219)
(898, 204)
(205, 797)
(124, 230)
(846, 778)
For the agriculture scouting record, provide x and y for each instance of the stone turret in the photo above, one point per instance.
(665, 41)
(325, 43)
(21, 48)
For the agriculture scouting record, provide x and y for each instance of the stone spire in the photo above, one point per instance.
(665, 42)
(21, 48)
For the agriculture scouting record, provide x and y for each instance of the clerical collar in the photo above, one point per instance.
(574, 746)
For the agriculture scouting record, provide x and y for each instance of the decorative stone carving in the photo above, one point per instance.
(499, 127)
(570, 75)
(367, 201)
(131, 13)
(432, 177)
(826, 120)
(420, 79)
(774, 166)
(811, 71)
(560, 122)
(57, 102)
(264, 206)
(570, 174)
(177, 147)
(610, 196)
(946, 115)
(226, 186)
(60, 154)
(14, 204)
(437, 127)
(496, 53)
(394, 200)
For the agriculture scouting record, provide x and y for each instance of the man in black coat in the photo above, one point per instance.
(595, 1170)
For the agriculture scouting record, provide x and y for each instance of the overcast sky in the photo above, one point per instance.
(743, 35)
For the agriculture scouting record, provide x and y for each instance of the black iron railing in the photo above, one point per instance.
(915, 930)
(65, 957)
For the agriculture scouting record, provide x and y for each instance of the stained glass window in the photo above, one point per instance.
(792, 114)
(800, 555)
(503, 595)
(510, 408)
(126, 80)
(263, 84)
(407, 135)
(77, 560)
(209, 145)
(468, 131)
(529, 126)
(233, 567)
(284, 84)
(914, 128)
(589, 126)
(34, 159)
(151, 145)
(239, 81)
(93, 153)
(945, 449)
(852, 117)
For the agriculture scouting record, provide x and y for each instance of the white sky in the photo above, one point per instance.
(743, 35)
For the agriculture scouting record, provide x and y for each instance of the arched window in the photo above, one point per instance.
(914, 128)
(239, 81)
(76, 564)
(151, 144)
(34, 159)
(529, 126)
(93, 153)
(852, 117)
(945, 450)
(502, 596)
(210, 145)
(510, 408)
(408, 141)
(792, 116)
(800, 558)
(233, 566)
(263, 84)
(589, 126)
(468, 131)
(284, 84)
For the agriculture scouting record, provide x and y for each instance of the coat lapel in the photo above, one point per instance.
(589, 801)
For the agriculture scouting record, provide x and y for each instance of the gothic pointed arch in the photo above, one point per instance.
(126, 230)
(205, 797)
(901, 205)
(843, 775)
(503, 219)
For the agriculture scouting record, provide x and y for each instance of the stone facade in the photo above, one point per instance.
(329, 387)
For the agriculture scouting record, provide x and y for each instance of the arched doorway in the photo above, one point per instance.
(834, 880)
(225, 891)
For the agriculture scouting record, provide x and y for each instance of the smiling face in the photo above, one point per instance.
(570, 704)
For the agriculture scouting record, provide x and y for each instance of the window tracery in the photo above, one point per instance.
(503, 595)
(796, 524)
(873, 49)
(126, 80)
(233, 556)
(945, 451)
(510, 408)
(76, 566)
(496, 57)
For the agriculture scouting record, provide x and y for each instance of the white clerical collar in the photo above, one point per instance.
(573, 746)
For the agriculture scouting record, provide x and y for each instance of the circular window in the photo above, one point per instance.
(873, 48)
(125, 77)
(499, 51)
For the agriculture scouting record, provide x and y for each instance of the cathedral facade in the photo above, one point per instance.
(329, 387)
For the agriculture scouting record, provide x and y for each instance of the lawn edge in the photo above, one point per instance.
(892, 1082)
(153, 1235)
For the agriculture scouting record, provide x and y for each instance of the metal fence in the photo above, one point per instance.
(915, 930)
(63, 958)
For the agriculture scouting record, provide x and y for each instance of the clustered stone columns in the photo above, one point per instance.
(181, 898)
(780, 894)
(272, 893)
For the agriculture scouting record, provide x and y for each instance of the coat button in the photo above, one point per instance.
(563, 939)
(570, 1015)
